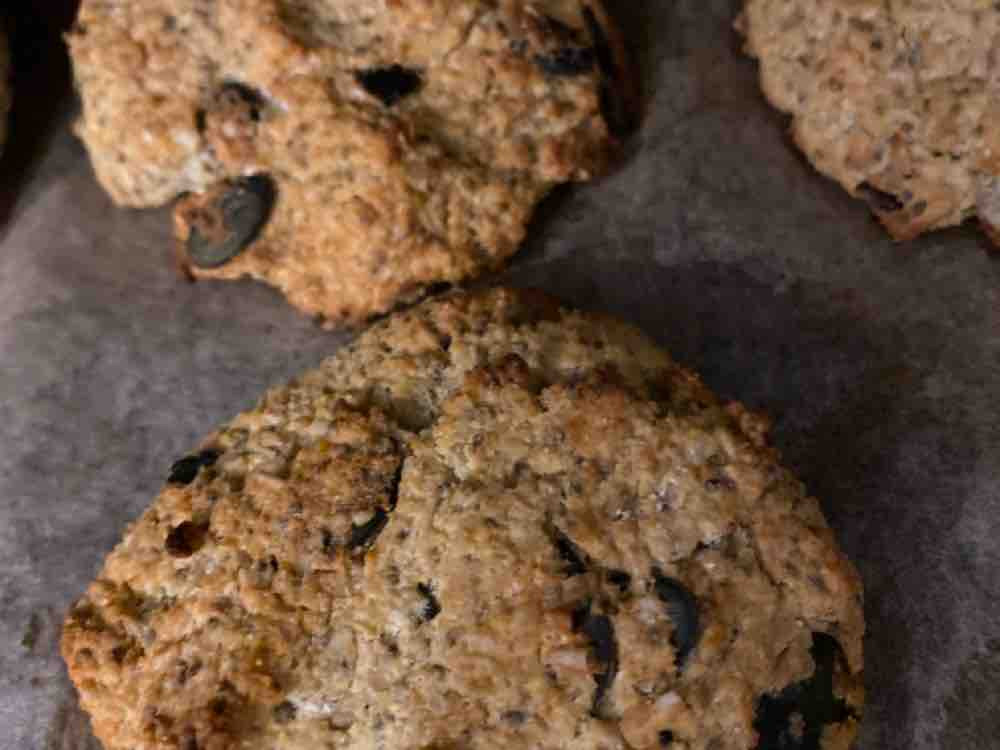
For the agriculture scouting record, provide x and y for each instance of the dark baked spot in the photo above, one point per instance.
(186, 538)
(229, 220)
(614, 107)
(682, 608)
(119, 652)
(363, 537)
(329, 543)
(184, 470)
(437, 288)
(600, 631)
(666, 738)
(232, 102)
(389, 84)
(878, 200)
(390, 643)
(186, 671)
(720, 483)
(619, 578)
(284, 712)
(794, 718)
(432, 607)
(567, 61)
(233, 93)
(573, 557)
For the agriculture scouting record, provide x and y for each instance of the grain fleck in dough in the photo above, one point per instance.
(898, 101)
(487, 523)
(407, 142)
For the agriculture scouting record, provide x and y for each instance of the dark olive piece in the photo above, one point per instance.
(362, 537)
(619, 578)
(329, 543)
(235, 216)
(390, 84)
(812, 701)
(613, 105)
(573, 556)
(184, 470)
(432, 607)
(600, 631)
(572, 56)
(879, 200)
(559, 29)
(666, 738)
(567, 61)
(397, 478)
(682, 608)
(186, 538)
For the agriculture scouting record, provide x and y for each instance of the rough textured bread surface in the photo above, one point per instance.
(407, 142)
(487, 523)
(898, 101)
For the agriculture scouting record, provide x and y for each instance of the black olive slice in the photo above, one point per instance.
(390, 84)
(226, 220)
(682, 608)
(811, 702)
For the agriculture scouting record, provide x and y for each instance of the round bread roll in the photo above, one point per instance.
(490, 522)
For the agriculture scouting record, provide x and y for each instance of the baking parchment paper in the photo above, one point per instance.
(879, 362)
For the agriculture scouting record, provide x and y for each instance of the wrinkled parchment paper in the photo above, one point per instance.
(880, 364)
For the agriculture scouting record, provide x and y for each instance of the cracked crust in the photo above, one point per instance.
(408, 142)
(489, 522)
(898, 101)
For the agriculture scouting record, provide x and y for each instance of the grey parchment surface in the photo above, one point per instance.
(880, 364)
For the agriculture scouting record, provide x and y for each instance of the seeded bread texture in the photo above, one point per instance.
(487, 523)
(406, 143)
(898, 101)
